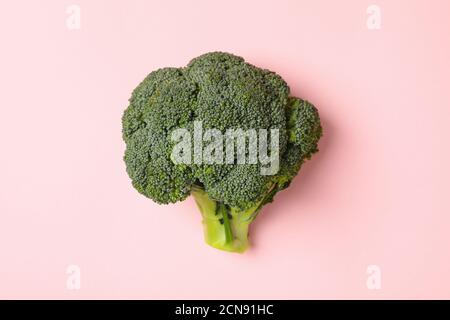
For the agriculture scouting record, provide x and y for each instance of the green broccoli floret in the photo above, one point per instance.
(223, 92)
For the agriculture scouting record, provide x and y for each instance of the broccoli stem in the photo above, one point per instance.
(224, 228)
(222, 209)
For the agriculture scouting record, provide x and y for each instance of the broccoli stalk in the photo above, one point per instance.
(222, 230)
(224, 227)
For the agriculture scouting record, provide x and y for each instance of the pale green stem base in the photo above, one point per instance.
(224, 228)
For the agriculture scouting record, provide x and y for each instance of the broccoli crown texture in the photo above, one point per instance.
(223, 92)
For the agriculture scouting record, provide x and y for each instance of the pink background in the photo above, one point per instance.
(377, 193)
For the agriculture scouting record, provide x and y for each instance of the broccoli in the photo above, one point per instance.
(223, 92)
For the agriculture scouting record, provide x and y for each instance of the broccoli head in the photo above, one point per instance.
(221, 93)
